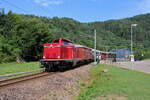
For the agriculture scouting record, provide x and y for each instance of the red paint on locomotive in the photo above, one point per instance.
(59, 49)
(62, 52)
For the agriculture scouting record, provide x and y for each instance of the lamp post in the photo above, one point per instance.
(132, 56)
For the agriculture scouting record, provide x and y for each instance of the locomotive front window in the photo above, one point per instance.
(56, 41)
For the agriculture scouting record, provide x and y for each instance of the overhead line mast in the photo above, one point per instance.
(95, 46)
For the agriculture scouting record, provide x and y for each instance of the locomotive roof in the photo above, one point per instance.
(62, 40)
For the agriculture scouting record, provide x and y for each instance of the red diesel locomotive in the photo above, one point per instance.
(62, 54)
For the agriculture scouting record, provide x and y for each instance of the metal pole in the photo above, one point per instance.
(131, 48)
(131, 40)
(132, 56)
(132, 25)
(95, 45)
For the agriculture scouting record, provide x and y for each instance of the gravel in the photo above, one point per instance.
(59, 86)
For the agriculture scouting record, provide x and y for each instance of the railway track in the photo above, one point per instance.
(9, 79)
(7, 82)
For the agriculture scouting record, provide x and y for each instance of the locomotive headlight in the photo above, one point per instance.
(44, 57)
(58, 57)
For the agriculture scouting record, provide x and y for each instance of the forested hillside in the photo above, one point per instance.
(122, 28)
(22, 36)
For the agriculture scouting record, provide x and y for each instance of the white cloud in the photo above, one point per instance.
(48, 2)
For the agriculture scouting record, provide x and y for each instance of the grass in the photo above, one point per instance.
(116, 84)
(7, 68)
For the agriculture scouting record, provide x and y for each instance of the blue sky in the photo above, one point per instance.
(81, 10)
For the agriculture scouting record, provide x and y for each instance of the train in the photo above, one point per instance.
(110, 56)
(63, 54)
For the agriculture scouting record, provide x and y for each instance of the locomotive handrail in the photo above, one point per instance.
(6, 76)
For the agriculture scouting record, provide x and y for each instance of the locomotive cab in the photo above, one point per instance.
(66, 49)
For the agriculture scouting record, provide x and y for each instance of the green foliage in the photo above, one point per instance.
(128, 84)
(22, 37)
(8, 68)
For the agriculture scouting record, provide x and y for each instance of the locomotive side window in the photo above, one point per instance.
(66, 42)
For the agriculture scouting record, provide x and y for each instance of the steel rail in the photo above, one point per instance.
(7, 76)
(24, 78)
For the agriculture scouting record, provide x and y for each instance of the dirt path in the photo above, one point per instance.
(142, 66)
(60, 86)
